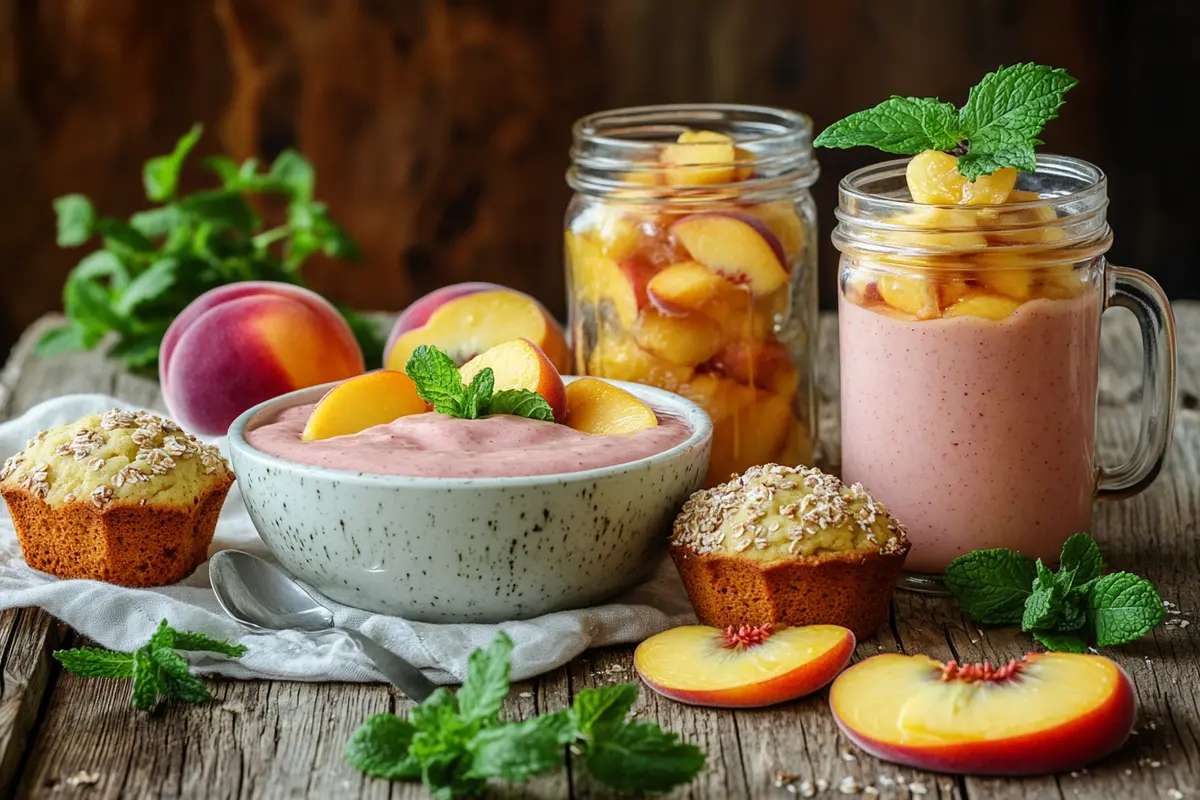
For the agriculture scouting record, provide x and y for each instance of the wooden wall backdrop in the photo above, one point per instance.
(439, 128)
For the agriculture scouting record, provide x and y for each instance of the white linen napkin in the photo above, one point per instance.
(120, 618)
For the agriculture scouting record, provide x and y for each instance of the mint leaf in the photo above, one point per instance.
(521, 403)
(295, 172)
(205, 643)
(981, 161)
(991, 586)
(92, 662)
(160, 175)
(1063, 642)
(1043, 607)
(486, 685)
(1081, 554)
(599, 711)
(380, 747)
(75, 218)
(156, 222)
(479, 393)
(221, 209)
(145, 680)
(1124, 608)
(438, 380)
(1012, 105)
(150, 285)
(1074, 614)
(519, 751)
(176, 679)
(163, 636)
(640, 758)
(56, 341)
(903, 125)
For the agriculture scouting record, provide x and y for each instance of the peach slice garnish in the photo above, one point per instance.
(597, 407)
(521, 364)
(739, 247)
(745, 667)
(469, 324)
(354, 405)
(1046, 713)
(933, 178)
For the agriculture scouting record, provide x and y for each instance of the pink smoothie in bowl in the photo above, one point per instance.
(438, 446)
(975, 433)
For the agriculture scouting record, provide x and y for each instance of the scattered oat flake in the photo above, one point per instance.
(782, 777)
(885, 780)
(849, 785)
(848, 756)
(234, 707)
(82, 778)
(1174, 794)
(917, 788)
(525, 694)
(822, 784)
(870, 790)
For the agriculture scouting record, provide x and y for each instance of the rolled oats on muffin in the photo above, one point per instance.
(124, 497)
(788, 546)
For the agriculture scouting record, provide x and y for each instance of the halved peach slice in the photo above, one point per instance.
(746, 667)
(597, 407)
(467, 325)
(784, 220)
(362, 402)
(987, 306)
(913, 294)
(933, 178)
(700, 158)
(1046, 713)
(737, 246)
(1015, 282)
(688, 340)
(687, 287)
(521, 364)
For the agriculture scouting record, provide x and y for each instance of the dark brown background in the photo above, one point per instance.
(439, 128)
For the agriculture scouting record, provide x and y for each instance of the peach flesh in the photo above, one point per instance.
(1047, 713)
(744, 668)
(520, 364)
(421, 309)
(362, 402)
(738, 246)
(597, 407)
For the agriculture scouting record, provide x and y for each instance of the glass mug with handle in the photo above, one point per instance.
(970, 340)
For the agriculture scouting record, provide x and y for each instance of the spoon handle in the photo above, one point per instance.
(401, 674)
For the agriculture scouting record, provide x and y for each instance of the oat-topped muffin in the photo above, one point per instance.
(790, 546)
(125, 497)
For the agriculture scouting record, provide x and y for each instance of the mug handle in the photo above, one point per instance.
(1141, 294)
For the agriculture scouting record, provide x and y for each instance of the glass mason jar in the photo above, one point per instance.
(691, 266)
(970, 341)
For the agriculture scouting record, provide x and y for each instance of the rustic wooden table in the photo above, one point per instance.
(63, 736)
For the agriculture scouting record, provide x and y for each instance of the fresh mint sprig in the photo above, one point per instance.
(996, 128)
(1063, 610)
(151, 266)
(440, 384)
(455, 743)
(157, 670)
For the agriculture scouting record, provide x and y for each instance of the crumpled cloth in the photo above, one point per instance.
(121, 618)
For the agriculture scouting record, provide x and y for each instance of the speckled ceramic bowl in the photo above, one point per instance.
(470, 549)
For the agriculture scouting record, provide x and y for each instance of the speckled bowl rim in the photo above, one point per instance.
(692, 414)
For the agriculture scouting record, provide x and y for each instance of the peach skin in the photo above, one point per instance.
(686, 288)
(419, 312)
(745, 667)
(469, 324)
(597, 407)
(520, 364)
(1048, 712)
(237, 346)
(365, 401)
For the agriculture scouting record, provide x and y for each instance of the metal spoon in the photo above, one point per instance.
(260, 595)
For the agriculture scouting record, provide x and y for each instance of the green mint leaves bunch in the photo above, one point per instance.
(440, 383)
(997, 128)
(1064, 610)
(156, 668)
(151, 266)
(454, 742)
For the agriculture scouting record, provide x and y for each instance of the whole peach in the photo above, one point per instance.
(240, 344)
(418, 313)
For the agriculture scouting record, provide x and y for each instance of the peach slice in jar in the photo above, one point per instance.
(687, 287)
(1048, 712)
(597, 407)
(520, 364)
(354, 405)
(700, 158)
(986, 306)
(933, 178)
(737, 246)
(745, 667)
(687, 340)
(622, 359)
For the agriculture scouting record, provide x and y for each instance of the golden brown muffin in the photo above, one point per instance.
(788, 546)
(124, 497)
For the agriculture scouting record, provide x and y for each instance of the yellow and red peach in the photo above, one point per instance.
(737, 246)
(1049, 712)
(745, 667)
(688, 287)
(362, 402)
(418, 312)
(520, 364)
(466, 324)
(238, 345)
(597, 407)
(688, 340)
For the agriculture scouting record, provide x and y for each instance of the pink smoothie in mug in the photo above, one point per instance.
(969, 352)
